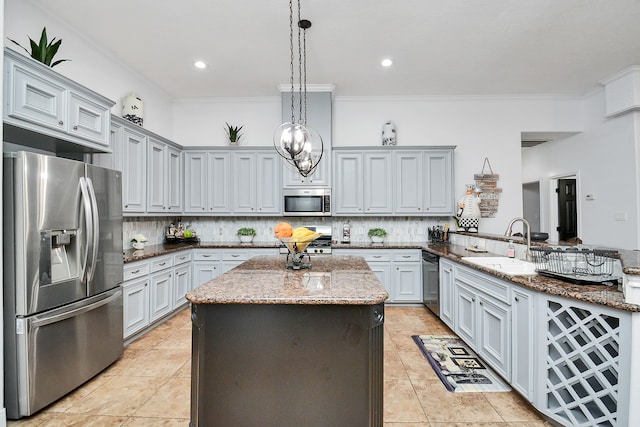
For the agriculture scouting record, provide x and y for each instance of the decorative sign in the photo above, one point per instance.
(487, 185)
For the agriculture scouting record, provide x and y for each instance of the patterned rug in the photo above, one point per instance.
(457, 366)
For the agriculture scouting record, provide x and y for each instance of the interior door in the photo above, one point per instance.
(567, 209)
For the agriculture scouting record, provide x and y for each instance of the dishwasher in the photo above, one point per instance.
(431, 282)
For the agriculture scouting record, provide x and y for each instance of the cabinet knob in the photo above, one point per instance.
(126, 206)
(517, 299)
(473, 300)
(481, 303)
(60, 122)
(75, 128)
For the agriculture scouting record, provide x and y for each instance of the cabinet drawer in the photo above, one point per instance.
(498, 289)
(182, 257)
(135, 270)
(235, 254)
(207, 255)
(161, 263)
(376, 256)
(407, 256)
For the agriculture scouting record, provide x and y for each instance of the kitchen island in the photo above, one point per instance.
(274, 347)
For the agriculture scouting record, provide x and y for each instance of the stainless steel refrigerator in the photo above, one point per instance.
(62, 277)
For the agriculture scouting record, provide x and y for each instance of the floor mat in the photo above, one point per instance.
(457, 366)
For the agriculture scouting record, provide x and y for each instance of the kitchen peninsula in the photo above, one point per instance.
(275, 347)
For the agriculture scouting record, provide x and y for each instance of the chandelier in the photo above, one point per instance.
(297, 143)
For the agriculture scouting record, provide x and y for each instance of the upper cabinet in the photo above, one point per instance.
(319, 118)
(64, 116)
(164, 177)
(392, 181)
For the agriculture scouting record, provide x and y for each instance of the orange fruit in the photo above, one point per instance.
(283, 230)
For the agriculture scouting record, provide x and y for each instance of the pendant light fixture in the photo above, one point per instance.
(300, 145)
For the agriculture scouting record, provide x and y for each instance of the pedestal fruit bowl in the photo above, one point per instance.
(296, 241)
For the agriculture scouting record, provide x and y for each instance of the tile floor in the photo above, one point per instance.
(149, 385)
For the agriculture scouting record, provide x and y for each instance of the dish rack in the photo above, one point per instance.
(578, 265)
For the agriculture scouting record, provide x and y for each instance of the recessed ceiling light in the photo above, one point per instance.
(200, 64)
(386, 62)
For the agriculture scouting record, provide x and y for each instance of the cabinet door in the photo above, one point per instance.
(438, 182)
(161, 294)
(465, 314)
(135, 300)
(36, 99)
(114, 159)
(446, 293)
(196, 188)
(219, 183)
(88, 119)
(134, 171)
(378, 183)
(408, 185)
(268, 185)
(348, 183)
(156, 178)
(523, 331)
(383, 271)
(407, 282)
(244, 180)
(205, 271)
(182, 284)
(175, 182)
(494, 334)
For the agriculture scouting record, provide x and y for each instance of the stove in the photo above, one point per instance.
(320, 246)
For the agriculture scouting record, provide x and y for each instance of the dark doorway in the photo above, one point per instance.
(567, 209)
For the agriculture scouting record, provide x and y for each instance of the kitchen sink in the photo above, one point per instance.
(511, 266)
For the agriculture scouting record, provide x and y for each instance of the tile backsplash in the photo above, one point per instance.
(223, 229)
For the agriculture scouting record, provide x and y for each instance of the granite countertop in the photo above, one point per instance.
(596, 294)
(336, 280)
(150, 251)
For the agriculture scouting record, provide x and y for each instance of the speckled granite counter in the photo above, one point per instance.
(596, 294)
(341, 280)
(150, 251)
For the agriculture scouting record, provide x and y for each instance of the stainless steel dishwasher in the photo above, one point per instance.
(431, 282)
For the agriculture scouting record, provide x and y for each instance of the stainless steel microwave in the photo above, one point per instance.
(307, 202)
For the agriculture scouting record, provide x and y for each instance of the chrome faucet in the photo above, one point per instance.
(525, 223)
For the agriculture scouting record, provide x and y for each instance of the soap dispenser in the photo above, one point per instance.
(511, 250)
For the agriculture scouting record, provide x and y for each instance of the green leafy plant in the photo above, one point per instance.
(45, 50)
(139, 238)
(379, 232)
(233, 132)
(246, 231)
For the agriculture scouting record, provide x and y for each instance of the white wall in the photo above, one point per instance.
(90, 65)
(604, 158)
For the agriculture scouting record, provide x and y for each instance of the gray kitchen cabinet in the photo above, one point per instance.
(244, 182)
(207, 182)
(378, 183)
(207, 265)
(382, 270)
(134, 171)
(319, 118)
(175, 180)
(135, 297)
(182, 273)
(437, 181)
(232, 258)
(161, 287)
(269, 183)
(408, 183)
(348, 183)
(40, 100)
(164, 177)
(524, 331)
(407, 276)
(447, 287)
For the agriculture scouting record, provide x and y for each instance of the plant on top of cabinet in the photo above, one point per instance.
(43, 51)
(233, 133)
(246, 234)
(377, 235)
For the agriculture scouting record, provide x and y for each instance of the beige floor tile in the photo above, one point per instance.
(403, 341)
(170, 401)
(122, 395)
(156, 422)
(407, 425)
(393, 367)
(80, 420)
(185, 370)
(71, 399)
(453, 407)
(401, 403)
(513, 407)
(416, 365)
(156, 363)
(179, 339)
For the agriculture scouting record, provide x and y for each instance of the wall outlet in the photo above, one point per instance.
(620, 216)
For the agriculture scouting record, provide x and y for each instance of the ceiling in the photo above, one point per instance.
(439, 47)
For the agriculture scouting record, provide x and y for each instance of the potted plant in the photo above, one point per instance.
(246, 234)
(233, 133)
(138, 241)
(377, 234)
(44, 51)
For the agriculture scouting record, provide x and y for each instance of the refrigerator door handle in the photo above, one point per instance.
(88, 213)
(38, 321)
(96, 231)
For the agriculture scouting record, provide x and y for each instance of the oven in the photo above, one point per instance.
(307, 202)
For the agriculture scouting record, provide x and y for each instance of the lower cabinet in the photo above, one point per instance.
(399, 271)
(524, 330)
(207, 265)
(446, 274)
(135, 298)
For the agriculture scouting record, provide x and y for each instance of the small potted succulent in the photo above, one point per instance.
(233, 133)
(246, 234)
(377, 234)
(138, 241)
